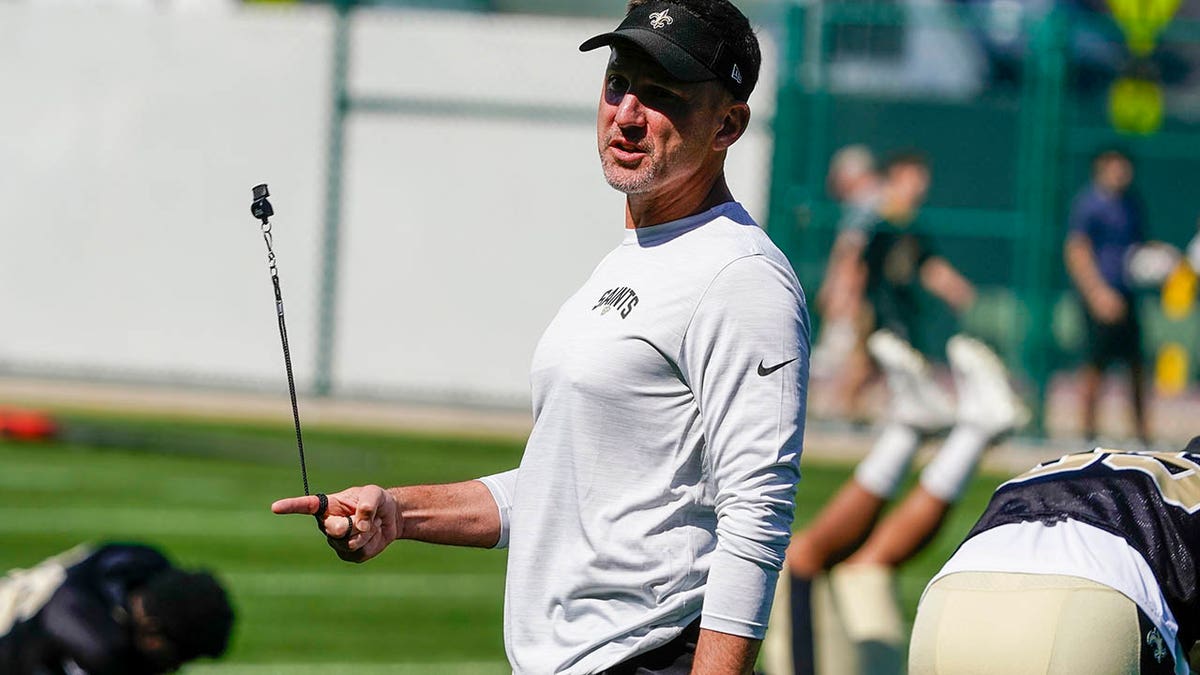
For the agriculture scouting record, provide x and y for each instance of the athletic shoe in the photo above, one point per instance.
(916, 400)
(986, 400)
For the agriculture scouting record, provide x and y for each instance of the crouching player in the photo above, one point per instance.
(117, 610)
(1086, 564)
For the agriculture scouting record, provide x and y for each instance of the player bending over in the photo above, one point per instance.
(1085, 564)
(119, 610)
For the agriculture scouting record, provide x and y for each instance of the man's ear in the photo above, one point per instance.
(733, 125)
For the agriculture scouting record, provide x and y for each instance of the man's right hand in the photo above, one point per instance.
(1107, 305)
(359, 522)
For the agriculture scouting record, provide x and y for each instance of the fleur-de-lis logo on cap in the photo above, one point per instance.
(660, 19)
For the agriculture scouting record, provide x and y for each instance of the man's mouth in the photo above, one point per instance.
(625, 151)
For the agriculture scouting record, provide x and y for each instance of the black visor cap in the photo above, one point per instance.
(683, 44)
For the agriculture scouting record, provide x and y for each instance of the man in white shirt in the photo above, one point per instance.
(647, 522)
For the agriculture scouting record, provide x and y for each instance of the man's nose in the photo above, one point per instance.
(630, 111)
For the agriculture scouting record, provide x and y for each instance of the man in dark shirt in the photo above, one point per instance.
(878, 265)
(1105, 227)
(120, 610)
(899, 259)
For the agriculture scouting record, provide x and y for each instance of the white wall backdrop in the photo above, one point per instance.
(131, 138)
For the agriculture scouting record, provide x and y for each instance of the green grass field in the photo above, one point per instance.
(202, 493)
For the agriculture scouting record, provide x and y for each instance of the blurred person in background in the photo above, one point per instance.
(121, 609)
(885, 262)
(854, 183)
(835, 609)
(840, 354)
(842, 620)
(1084, 564)
(1105, 227)
(879, 263)
(647, 522)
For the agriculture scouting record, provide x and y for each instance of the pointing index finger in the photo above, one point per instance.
(303, 505)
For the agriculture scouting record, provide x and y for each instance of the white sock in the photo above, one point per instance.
(883, 468)
(866, 595)
(947, 474)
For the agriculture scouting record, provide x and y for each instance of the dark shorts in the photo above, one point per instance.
(1120, 342)
(673, 658)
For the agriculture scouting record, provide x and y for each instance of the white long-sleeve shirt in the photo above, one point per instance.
(658, 482)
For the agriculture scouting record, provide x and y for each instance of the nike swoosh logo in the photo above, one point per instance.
(767, 371)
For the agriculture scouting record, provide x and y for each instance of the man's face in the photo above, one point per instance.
(157, 652)
(841, 184)
(845, 183)
(911, 181)
(654, 131)
(1114, 173)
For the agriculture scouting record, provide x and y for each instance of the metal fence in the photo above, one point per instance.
(1009, 109)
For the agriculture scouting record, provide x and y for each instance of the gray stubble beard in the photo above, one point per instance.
(637, 182)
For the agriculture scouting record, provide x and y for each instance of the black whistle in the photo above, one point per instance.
(261, 208)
